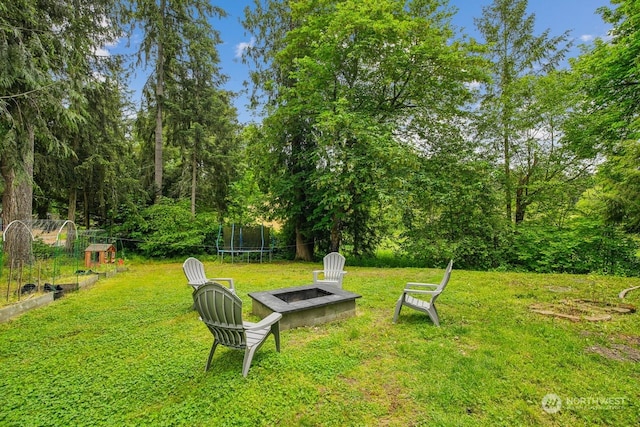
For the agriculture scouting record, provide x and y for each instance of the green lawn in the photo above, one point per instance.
(130, 351)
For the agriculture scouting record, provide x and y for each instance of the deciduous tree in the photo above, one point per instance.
(514, 52)
(608, 121)
(363, 78)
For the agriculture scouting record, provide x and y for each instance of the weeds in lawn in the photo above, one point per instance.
(130, 351)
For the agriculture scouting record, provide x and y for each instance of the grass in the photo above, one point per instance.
(130, 351)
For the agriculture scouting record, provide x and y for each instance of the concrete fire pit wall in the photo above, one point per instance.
(307, 305)
(310, 317)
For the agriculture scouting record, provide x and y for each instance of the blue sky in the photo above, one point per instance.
(578, 16)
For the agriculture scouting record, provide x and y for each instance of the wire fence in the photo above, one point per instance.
(53, 256)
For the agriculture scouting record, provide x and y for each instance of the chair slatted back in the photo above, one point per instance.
(194, 270)
(221, 311)
(333, 265)
(444, 281)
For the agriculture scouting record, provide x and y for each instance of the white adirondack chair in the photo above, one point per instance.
(415, 296)
(221, 310)
(333, 271)
(194, 270)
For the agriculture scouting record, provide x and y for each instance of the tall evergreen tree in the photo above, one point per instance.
(202, 125)
(47, 52)
(169, 28)
(100, 173)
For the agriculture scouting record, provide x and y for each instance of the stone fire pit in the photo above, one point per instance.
(307, 305)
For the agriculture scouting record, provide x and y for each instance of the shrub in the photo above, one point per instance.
(167, 230)
(584, 246)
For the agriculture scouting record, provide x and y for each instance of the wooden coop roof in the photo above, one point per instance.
(100, 247)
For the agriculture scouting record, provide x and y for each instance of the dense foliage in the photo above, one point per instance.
(383, 129)
(168, 229)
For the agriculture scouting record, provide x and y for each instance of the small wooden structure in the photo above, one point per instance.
(106, 254)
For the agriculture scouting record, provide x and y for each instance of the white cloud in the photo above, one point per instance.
(586, 38)
(99, 77)
(242, 47)
(101, 51)
(475, 85)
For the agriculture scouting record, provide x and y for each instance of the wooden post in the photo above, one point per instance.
(20, 280)
(9, 280)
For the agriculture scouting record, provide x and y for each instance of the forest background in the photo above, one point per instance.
(384, 130)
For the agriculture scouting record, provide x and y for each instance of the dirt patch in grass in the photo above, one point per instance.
(560, 289)
(621, 347)
(621, 352)
(582, 310)
(630, 339)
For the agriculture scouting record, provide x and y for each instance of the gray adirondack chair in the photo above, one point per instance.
(221, 311)
(194, 270)
(417, 297)
(332, 272)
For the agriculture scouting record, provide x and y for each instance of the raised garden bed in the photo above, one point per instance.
(32, 302)
(25, 305)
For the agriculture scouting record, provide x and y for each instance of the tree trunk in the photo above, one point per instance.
(194, 175)
(17, 200)
(520, 206)
(336, 234)
(304, 250)
(73, 199)
(71, 216)
(507, 176)
(522, 193)
(158, 140)
(87, 222)
(159, 104)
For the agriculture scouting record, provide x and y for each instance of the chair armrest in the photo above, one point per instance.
(420, 291)
(218, 280)
(223, 279)
(422, 284)
(267, 321)
(316, 273)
